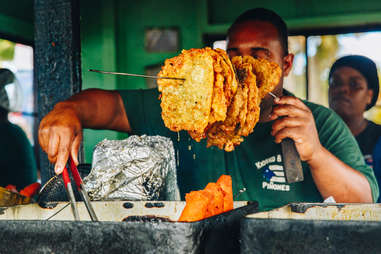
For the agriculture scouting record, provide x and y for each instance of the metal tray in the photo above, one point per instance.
(125, 227)
(314, 228)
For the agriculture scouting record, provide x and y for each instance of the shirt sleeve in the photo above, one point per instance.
(377, 163)
(336, 137)
(144, 112)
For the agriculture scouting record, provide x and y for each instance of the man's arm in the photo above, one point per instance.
(331, 176)
(60, 131)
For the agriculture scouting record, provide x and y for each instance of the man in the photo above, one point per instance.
(256, 164)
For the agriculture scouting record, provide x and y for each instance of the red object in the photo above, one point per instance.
(31, 190)
(65, 176)
(75, 173)
(11, 187)
(78, 182)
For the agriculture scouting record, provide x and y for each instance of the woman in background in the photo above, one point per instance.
(353, 89)
(17, 161)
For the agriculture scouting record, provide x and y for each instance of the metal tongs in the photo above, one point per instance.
(69, 190)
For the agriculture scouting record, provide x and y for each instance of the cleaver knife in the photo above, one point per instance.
(291, 159)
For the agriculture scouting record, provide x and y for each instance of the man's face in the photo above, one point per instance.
(260, 39)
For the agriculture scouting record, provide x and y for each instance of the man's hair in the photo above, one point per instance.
(261, 14)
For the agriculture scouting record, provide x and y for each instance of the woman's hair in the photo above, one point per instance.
(363, 65)
(3, 114)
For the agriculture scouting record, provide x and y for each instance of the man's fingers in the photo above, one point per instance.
(287, 122)
(63, 154)
(43, 138)
(291, 100)
(293, 133)
(75, 148)
(53, 146)
(288, 110)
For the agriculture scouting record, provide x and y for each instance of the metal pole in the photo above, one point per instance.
(57, 63)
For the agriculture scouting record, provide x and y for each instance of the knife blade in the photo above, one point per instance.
(135, 75)
(291, 160)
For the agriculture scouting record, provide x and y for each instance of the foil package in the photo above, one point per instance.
(136, 168)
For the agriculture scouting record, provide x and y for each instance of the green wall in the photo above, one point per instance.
(16, 20)
(112, 33)
(112, 36)
(98, 33)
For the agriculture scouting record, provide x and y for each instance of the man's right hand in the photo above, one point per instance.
(60, 133)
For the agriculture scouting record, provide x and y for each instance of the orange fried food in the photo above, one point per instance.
(186, 104)
(216, 198)
(256, 78)
(219, 101)
(196, 206)
(268, 74)
(223, 134)
(253, 101)
(216, 204)
(225, 182)
(242, 115)
(231, 82)
(220, 98)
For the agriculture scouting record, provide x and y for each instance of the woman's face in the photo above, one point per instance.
(348, 92)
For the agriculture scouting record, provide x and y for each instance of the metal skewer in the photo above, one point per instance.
(60, 210)
(273, 95)
(135, 75)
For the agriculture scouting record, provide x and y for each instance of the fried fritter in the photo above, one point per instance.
(231, 83)
(268, 74)
(186, 104)
(253, 101)
(242, 115)
(220, 99)
(219, 102)
(223, 134)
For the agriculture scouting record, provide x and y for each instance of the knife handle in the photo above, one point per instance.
(291, 161)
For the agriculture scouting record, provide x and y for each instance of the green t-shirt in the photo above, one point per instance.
(254, 165)
(17, 161)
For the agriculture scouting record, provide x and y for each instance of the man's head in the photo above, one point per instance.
(267, 16)
(261, 33)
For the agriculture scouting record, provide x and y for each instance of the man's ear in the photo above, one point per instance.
(287, 64)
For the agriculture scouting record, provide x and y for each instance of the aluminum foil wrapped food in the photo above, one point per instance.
(136, 168)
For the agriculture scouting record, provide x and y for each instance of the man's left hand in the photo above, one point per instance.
(293, 119)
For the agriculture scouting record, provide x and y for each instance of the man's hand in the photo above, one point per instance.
(295, 120)
(60, 133)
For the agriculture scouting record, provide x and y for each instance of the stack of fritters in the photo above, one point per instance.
(211, 103)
